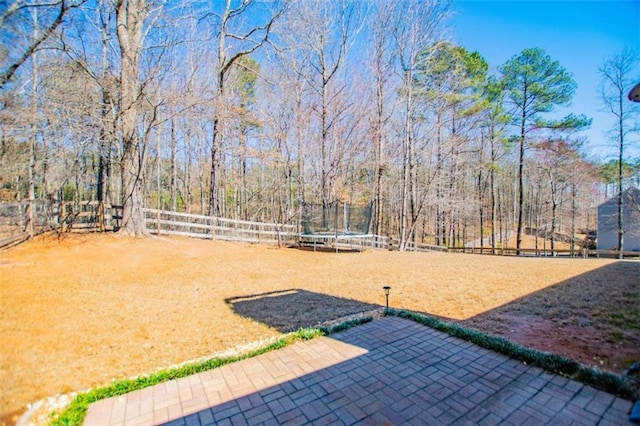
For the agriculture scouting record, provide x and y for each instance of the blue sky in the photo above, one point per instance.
(579, 34)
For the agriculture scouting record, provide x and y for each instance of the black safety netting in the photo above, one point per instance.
(336, 219)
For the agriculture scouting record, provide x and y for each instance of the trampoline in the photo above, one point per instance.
(338, 226)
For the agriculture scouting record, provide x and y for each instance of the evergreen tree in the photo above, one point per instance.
(534, 84)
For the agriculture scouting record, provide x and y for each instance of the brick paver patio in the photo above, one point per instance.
(389, 371)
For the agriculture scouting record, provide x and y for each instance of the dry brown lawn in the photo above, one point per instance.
(78, 311)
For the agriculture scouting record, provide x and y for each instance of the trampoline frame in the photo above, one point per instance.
(315, 238)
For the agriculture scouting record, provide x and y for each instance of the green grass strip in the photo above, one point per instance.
(345, 325)
(76, 411)
(608, 382)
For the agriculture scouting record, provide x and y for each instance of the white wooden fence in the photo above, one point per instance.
(394, 244)
(162, 222)
(340, 242)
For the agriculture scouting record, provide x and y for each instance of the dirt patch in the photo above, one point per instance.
(594, 317)
(583, 343)
(80, 311)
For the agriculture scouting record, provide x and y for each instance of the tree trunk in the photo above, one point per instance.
(187, 174)
(106, 133)
(481, 192)
(174, 168)
(378, 140)
(130, 18)
(520, 184)
(452, 182)
(324, 157)
(34, 138)
(300, 159)
(554, 216)
(620, 198)
(214, 205)
(406, 176)
(244, 201)
(103, 162)
(574, 207)
(493, 193)
(216, 139)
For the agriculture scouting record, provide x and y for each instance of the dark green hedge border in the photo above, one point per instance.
(561, 365)
(76, 411)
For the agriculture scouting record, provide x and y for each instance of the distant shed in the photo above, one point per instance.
(607, 238)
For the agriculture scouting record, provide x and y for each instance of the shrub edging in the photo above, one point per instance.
(602, 380)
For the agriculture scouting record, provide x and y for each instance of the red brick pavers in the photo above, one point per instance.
(389, 371)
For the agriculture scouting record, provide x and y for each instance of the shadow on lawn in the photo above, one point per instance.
(289, 310)
(593, 317)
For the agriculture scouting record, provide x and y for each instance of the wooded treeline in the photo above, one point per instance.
(248, 110)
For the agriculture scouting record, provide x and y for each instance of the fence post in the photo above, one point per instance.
(101, 216)
(158, 222)
(63, 216)
(55, 212)
(29, 218)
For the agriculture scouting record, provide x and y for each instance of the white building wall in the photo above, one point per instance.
(607, 238)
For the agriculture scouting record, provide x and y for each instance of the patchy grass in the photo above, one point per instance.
(629, 320)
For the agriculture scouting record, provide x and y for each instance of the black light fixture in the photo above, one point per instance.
(386, 289)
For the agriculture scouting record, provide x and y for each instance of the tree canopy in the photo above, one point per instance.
(251, 109)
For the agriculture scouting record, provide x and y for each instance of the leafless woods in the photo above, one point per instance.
(249, 109)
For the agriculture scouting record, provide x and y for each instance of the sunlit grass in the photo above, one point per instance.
(76, 411)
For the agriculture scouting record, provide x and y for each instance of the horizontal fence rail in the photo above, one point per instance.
(338, 242)
(613, 254)
(89, 216)
(160, 222)
(394, 244)
(22, 220)
(526, 252)
(507, 251)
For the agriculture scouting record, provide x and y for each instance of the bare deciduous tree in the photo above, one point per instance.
(130, 16)
(237, 38)
(416, 26)
(21, 44)
(617, 73)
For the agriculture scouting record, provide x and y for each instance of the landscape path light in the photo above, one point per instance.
(386, 289)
